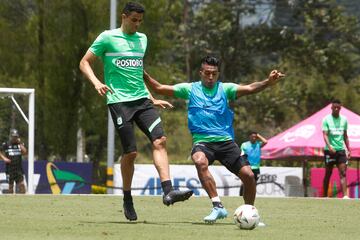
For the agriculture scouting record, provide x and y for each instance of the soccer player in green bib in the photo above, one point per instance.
(252, 149)
(210, 121)
(122, 52)
(337, 149)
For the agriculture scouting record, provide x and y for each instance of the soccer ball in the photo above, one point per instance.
(246, 217)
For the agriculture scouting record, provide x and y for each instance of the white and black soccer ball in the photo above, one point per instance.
(246, 217)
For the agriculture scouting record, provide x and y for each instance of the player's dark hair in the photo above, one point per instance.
(252, 132)
(133, 7)
(336, 101)
(210, 60)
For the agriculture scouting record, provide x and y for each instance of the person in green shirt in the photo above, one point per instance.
(210, 121)
(337, 149)
(122, 52)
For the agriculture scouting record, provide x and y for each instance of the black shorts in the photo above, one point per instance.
(338, 157)
(14, 173)
(256, 173)
(227, 153)
(143, 113)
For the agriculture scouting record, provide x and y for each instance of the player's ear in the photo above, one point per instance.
(123, 16)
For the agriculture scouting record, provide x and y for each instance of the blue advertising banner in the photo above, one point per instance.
(57, 177)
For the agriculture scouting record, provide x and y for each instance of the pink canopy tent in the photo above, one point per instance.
(305, 139)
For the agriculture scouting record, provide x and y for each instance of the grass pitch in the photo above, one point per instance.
(101, 217)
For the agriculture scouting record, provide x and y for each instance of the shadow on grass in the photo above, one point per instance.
(153, 223)
(209, 224)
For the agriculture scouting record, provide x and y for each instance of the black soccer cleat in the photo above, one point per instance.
(129, 211)
(176, 196)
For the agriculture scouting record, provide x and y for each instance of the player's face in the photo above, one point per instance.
(209, 75)
(335, 107)
(253, 137)
(14, 139)
(131, 22)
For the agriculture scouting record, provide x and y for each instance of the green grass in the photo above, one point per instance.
(100, 217)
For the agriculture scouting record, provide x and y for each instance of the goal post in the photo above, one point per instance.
(30, 92)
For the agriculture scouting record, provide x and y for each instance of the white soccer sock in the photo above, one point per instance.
(215, 199)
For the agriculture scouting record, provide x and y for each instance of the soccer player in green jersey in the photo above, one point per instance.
(337, 149)
(210, 121)
(122, 51)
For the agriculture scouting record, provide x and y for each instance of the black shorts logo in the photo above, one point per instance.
(328, 159)
(119, 121)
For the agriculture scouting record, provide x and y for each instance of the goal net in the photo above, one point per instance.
(17, 119)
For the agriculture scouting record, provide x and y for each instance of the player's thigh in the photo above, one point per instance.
(12, 171)
(341, 162)
(124, 128)
(16, 176)
(329, 159)
(229, 154)
(245, 174)
(149, 122)
(341, 158)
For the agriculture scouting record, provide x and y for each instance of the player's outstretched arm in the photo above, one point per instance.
(166, 90)
(255, 87)
(85, 67)
(159, 102)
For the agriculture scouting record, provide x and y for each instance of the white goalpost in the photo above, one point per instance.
(30, 119)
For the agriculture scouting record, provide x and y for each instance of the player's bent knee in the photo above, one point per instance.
(201, 166)
(249, 178)
(129, 156)
(342, 174)
(247, 175)
(200, 161)
(247, 172)
(160, 142)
